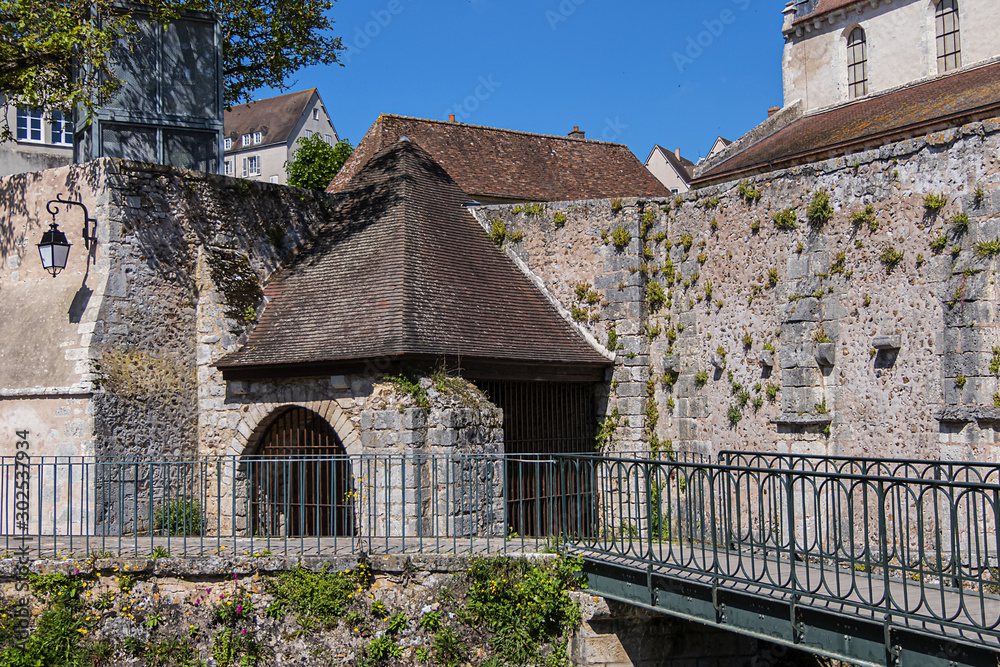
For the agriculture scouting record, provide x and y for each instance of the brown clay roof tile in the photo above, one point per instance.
(275, 117)
(404, 270)
(491, 163)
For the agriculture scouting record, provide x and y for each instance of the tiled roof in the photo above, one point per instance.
(825, 7)
(404, 270)
(504, 164)
(276, 117)
(947, 100)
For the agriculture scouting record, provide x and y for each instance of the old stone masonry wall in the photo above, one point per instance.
(845, 307)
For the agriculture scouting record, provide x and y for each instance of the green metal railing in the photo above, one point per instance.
(893, 540)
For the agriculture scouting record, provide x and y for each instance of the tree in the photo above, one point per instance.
(316, 162)
(55, 55)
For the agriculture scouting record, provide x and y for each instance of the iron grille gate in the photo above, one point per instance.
(301, 479)
(541, 419)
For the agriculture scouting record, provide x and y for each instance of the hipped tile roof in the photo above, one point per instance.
(405, 270)
(504, 164)
(949, 100)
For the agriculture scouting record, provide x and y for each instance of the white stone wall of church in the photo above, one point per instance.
(901, 47)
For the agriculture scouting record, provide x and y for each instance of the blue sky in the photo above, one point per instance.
(637, 72)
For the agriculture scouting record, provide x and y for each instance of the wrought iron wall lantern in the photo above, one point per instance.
(54, 248)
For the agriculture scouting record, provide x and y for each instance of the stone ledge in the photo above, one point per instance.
(791, 418)
(968, 413)
(83, 389)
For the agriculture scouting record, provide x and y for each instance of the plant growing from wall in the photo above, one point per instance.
(713, 225)
(979, 196)
(534, 209)
(866, 218)
(700, 378)
(995, 362)
(771, 391)
(959, 222)
(988, 248)
(606, 429)
(559, 220)
(621, 237)
(960, 381)
(734, 415)
(616, 205)
(920, 260)
(819, 335)
(939, 244)
(755, 227)
(933, 203)
(786, 219)
(687, 241)
(655, 296)
(747, 340)
(890, 258)
(749, 193)
(838, 263)
(819, 211)
(410, 385)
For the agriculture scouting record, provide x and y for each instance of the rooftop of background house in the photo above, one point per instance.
(276, 117)
(405, 272)
(497, 164)
(948, 100)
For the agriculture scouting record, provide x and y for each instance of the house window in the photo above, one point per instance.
(309, 133)
(62, 128)
(29, 125)
(949, 46)
(328, 138)
(857, 64)
(228, 143)
(315, 114)
(251, 166)
(258, 137)
(229, 167)
(245, 140)
(274, 179)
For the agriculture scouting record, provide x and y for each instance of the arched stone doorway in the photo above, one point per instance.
(300, 478)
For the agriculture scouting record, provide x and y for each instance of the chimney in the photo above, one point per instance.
(577, 133)
(451, 118)
(773, 110)
(677, 153)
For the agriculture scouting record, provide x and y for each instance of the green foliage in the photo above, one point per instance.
(612, 338)
(749, 193)
(755, 227)
(838, 263)
(397, 623)
(920, 260)
(317, 597)
(315, 163)
(534, 209)
(959, 222)
(786, 219)
(159, 552)
(702, 258)
(960, 381)
(866, 300)
(701, 378)
(382, 650)
(179, 516)
(234, 647)
(819, 211)
(988, 248)
(939, 244)
(821, 408)
(995, 362)
(734, 415)
(655, 296)
(431, 621)
(616, 205)
(687, 241)
(890, 258)
(579, 314)
(525, 604)
(559, 219)
(711, 203)
(713, 225)
(407, 384)
(934, 202)
(606, 429)
(621, 237)
(772, 392)
(866, 218)
(747, 339)
(499, 234)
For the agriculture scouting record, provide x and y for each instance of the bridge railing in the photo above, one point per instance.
(893, 538)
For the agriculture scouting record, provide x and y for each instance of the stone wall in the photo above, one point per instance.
(721, 319)
(163, 610)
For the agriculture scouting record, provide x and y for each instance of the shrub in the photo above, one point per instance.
(498, 232)
(865, 217)
(749, 193)
(317, 597)
(988, 248)
(819, 211)
(734, 414)
(934, 203)
(960, 222)
(621, 237)
(559, 219)
(534, 209)
(655, 296)
(890, 258)
(179, 516)
(786, 219)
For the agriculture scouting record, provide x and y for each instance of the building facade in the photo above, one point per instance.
(670, 169)
(837, 51)
(41, 140)
(260, 136)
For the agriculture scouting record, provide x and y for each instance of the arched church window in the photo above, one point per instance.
(857, 64)
(949, 43)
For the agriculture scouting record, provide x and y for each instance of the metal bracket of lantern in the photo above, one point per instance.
(54, 248)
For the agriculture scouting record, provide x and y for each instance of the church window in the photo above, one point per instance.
(949, 45)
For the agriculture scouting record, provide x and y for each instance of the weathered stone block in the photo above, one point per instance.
(803, 310)
(797, 267)
(826, 354)
(767, 358)
(887, 342)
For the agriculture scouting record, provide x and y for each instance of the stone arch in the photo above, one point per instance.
(256, 420)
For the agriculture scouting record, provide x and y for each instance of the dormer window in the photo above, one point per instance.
(228, 142)
(857, 64)
(258, 137)
(949, 44)
(245, 140)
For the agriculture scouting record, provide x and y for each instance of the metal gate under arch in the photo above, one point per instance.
(301, 479)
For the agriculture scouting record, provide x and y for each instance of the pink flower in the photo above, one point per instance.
(239, 609)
